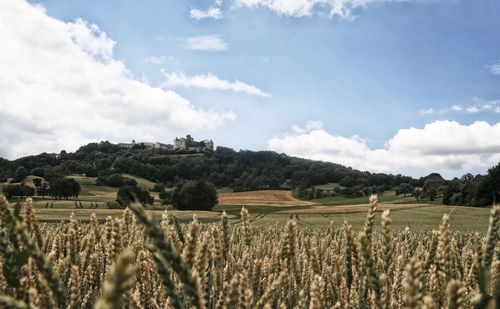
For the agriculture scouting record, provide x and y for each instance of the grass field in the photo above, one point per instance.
(466, 219)
(388, 196)
(273, 207)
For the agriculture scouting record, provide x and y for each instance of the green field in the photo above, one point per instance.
(388, 196)
(467, 219)
(418, 219)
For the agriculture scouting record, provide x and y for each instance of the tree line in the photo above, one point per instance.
(58, 188)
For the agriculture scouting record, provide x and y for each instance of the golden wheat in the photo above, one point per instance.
(149, 264)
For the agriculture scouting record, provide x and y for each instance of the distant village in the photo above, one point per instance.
(187, 144)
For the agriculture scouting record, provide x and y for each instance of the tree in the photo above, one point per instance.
(37, 182)
(21, 173)
(417, 193)
(166, 197)
(492, 182)
(43, 190)
(17, 190)
(195, 195)
(64, 188)
(404, 189)
(128, 194)
(432, 186)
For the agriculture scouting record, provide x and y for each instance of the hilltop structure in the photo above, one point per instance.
(147, 145)
(187, 143)
(190, 144)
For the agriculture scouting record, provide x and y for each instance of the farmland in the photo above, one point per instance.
(269, 207)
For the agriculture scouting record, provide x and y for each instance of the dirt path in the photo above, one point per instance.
(349, 208)
(262, 198)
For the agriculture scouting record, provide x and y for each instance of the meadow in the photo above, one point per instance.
(268, 207)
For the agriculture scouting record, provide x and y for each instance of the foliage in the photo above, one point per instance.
(64, 188)
(195, 195)
(115, 180)
(129, 194)
(473, 190)
(158, 187)
(20, 190)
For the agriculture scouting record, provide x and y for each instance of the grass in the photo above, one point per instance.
(329, 186)
(225, 190)
(389, 196)
(467, 219)
(83, 180)
(426, 218)
(141, 182)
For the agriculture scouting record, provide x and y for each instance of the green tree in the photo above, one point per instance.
(492, 182)
(43, 190)
(37, 182)
(129, 194)
(64, 188)
(404, 189)
(21, 173)
(432, 186)
(417, 193)
(195, 195)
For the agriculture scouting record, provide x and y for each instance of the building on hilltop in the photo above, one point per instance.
(190, 144)
(127, 145)
(146, 145)
(182, 143)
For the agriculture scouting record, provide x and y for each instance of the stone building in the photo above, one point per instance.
(188, 143)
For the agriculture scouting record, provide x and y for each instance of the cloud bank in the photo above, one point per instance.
(61, 87)
(443, 146)
(210, 81)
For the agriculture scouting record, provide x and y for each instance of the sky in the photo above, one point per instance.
(409, 87)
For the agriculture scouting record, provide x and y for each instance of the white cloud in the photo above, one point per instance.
(212, 12)
(61, 87)
(155, 60)
(311, 125)
(472, 109)
(302, 8)
(209, 43)
(443, 146)
(210, 81)
(494, 68)
(427, 111)
(482, 106)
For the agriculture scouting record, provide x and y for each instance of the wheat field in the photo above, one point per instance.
(133, 261)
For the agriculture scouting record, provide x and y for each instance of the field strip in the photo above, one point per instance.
(262, 197)
(348, 208)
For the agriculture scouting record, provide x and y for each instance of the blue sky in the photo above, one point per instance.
(322, 79)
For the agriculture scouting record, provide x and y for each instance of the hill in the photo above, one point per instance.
(244, 171)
